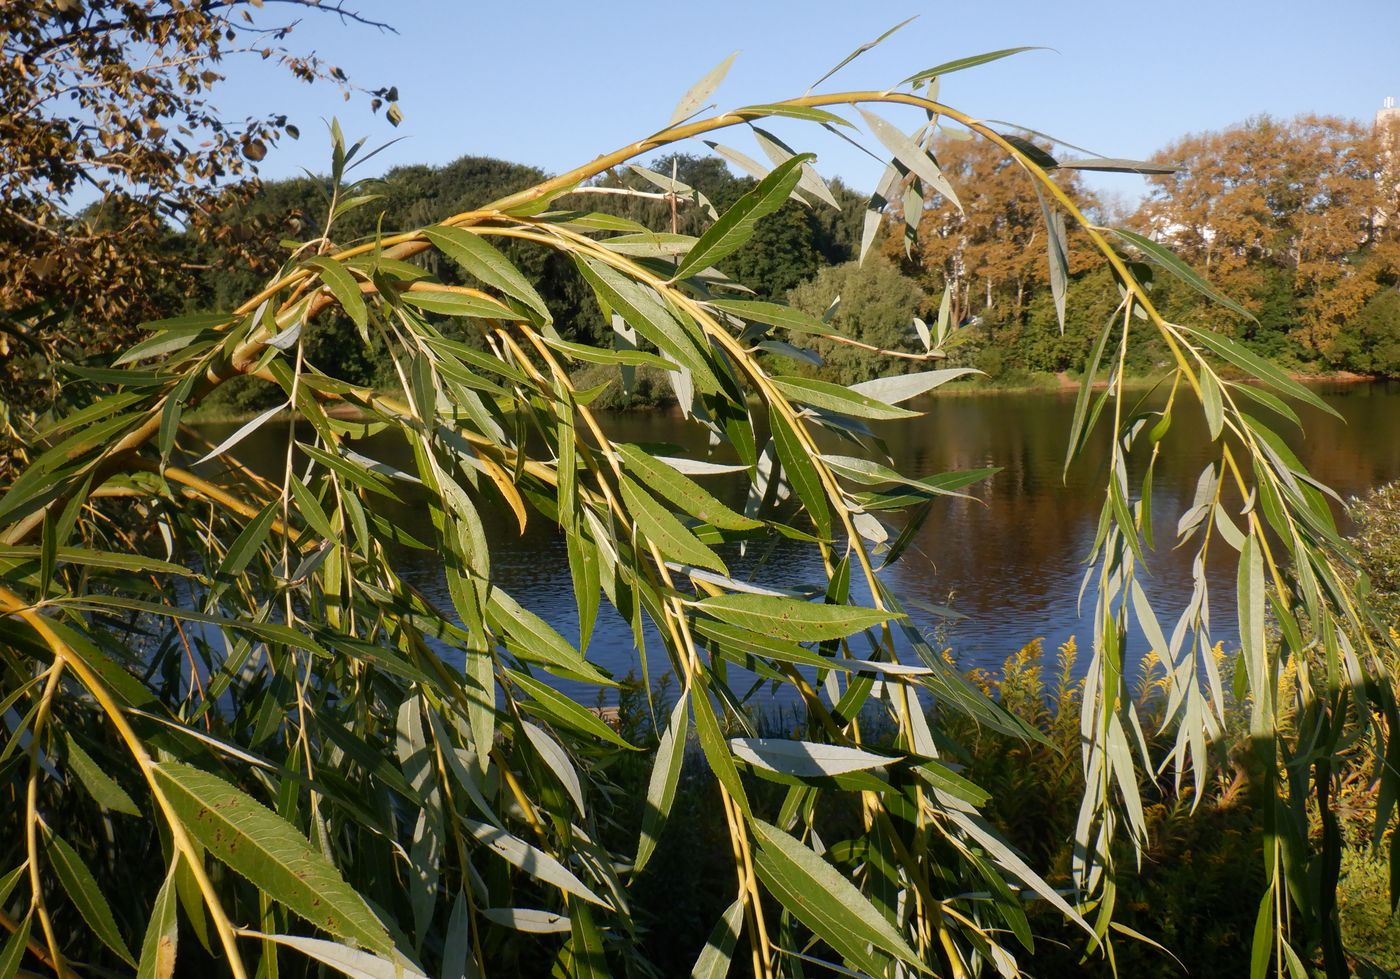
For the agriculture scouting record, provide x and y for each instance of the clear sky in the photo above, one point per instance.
(554, 84)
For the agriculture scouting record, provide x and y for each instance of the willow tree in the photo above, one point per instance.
(224, 682)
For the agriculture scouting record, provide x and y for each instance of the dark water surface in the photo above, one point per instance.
(1010, 561)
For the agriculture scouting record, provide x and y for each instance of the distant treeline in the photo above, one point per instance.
(1296, 220)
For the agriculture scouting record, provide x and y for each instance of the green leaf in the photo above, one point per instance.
(842, 400)
(484, 261)
(243, 432)
(902, 387)
(343, 286)
(532, 860)
(1167, 260)
(694, 99)
(774, 314)
(826, 902)
(448, 303)
(683, 492)
(645, 312)
(948, 67)
(1058, 253)
(1106, 164)
(860, 51)
(718, 953)
(801, 473)
(101, 786)
(536, 638)
(12, 955)
(599, 355)
(916, 159)
(82, 889)
(162, 933)
(344, 959)
(565, 710)
(671, 537)
(661, 787)
(805, 759)
(557, 760)
(163, 343)
(270, 852)
(1260, 368)
(789, 618)
(737, 224)
(1211, 404)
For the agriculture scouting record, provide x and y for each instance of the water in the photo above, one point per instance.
(1010, 561)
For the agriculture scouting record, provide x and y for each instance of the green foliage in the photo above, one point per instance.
(1371, 342)
(877, 305)
(1377, 535)
(339, 768)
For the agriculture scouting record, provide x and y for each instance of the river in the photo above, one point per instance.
(1008, 562)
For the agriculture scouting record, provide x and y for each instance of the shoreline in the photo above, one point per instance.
(1041, 383)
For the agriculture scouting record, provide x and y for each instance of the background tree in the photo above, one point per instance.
(110, 138)
(1285, 216)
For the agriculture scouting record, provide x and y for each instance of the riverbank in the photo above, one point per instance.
(653, 392)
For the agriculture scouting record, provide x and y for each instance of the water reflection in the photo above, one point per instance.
(1011, 560)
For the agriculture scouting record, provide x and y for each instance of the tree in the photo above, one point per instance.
(1286, 209)
(109, 139)
(985, 247)
(391, 787)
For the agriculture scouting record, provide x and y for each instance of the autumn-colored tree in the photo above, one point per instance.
(1296, 206)
(989, 250)
(109, 141)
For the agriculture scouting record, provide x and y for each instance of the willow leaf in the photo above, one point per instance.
(565, 710)
(718, 953)
(101, 786)
(683, 492)
(842, 400)
(788, 618)
(826, 902)
(671, 537)
(481, 259)
(159, 946)
(1167, 260)
(801, 473)
(915, 158)
(77, 880)
(532, 860)
(661, 787)
(805, 759)
(692, 101)
(972, 61)
(12, 954)
(270, 853)
(901, 387)
(348, 961)
(737, 224)
(343, 286)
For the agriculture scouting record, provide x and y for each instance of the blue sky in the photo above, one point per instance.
(555, 84)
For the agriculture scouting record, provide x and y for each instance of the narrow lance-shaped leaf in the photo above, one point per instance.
(860, 51)
(736, 225)
(948, 67)
(912, 156)
(789, 618)
(661, 787)
(1058, 255)
(694, 99)
(1164, 257)
(343, 286)
(159, 946)
(826, 902)
(87, 897)
(486, 262)
(270, 853)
